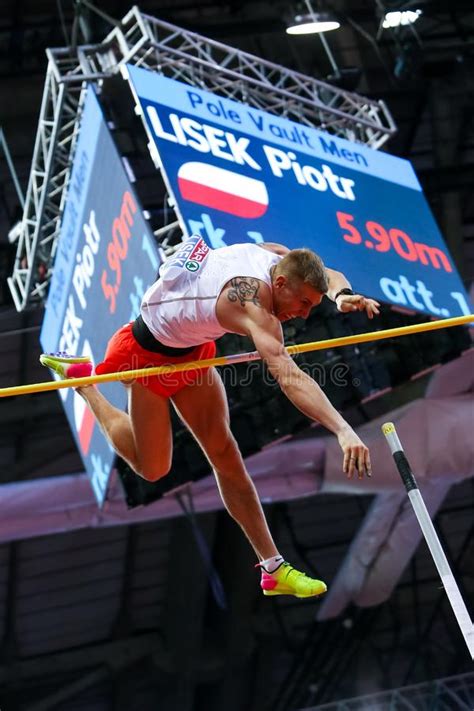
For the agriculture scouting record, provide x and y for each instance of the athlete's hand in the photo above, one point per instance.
(356, 454)
(357, 302)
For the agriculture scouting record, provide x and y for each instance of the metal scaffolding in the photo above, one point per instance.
(454, 692)
(186, 56)
(39, 227)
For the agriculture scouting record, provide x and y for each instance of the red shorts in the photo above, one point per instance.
(124, 353)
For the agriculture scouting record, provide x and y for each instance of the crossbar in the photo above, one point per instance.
(236, 358)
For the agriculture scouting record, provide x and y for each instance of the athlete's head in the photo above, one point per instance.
(299, 282)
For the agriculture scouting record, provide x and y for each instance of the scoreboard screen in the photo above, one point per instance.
(239, 174)
(105, 260)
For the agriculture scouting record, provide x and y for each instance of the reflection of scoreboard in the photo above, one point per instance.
(238, 174)
(106, 259)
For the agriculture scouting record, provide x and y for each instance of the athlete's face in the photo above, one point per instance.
(293, 300)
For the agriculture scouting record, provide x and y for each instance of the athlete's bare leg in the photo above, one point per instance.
(143, 436)
(204, 409)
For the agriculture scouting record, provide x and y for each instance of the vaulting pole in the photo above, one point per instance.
(237, 358)
(431, 537)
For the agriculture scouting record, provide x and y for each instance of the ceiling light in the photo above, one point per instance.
(312, 23)
(399, 17)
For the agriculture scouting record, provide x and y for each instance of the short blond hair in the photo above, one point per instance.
(305, 266)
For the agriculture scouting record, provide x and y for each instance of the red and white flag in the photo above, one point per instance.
(222, 189)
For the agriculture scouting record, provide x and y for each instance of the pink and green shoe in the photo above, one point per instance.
(67, 366)
(286, 580)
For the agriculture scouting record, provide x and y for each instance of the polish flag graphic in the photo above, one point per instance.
(222, 190)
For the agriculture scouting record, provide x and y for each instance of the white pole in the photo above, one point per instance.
(431, 537)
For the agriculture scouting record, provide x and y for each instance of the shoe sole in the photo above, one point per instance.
(269, 593)
(46, 359)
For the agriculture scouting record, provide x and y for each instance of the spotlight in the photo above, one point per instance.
(312, 23)
(400, 17)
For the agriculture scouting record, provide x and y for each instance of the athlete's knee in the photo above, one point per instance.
(222, 449)
(153, 471)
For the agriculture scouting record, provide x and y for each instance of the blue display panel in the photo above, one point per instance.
(238, 174)
(106, 258)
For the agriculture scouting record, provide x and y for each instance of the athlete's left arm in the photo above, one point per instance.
(274, 247)
(349, 302)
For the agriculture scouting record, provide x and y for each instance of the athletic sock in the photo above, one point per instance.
(271, 564)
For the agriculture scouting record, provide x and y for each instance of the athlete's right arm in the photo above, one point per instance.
(244, 306)
(266, 332)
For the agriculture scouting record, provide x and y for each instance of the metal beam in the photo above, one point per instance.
(188, 588)
(122, 625)
(241, 580)
(455, 691)
(50, 702)
(9, 646)
(198, 60)
(447, 178)
(46, 193)
(32, 408)
(446, 122)
(116, 655)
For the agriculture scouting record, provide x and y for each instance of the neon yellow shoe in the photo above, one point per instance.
(286, 580)
(67, 366)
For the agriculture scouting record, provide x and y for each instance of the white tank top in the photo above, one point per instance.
(180, 308)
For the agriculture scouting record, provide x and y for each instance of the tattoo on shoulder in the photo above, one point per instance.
(244, 289)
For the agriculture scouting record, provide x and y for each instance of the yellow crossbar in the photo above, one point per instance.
(237, 358)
